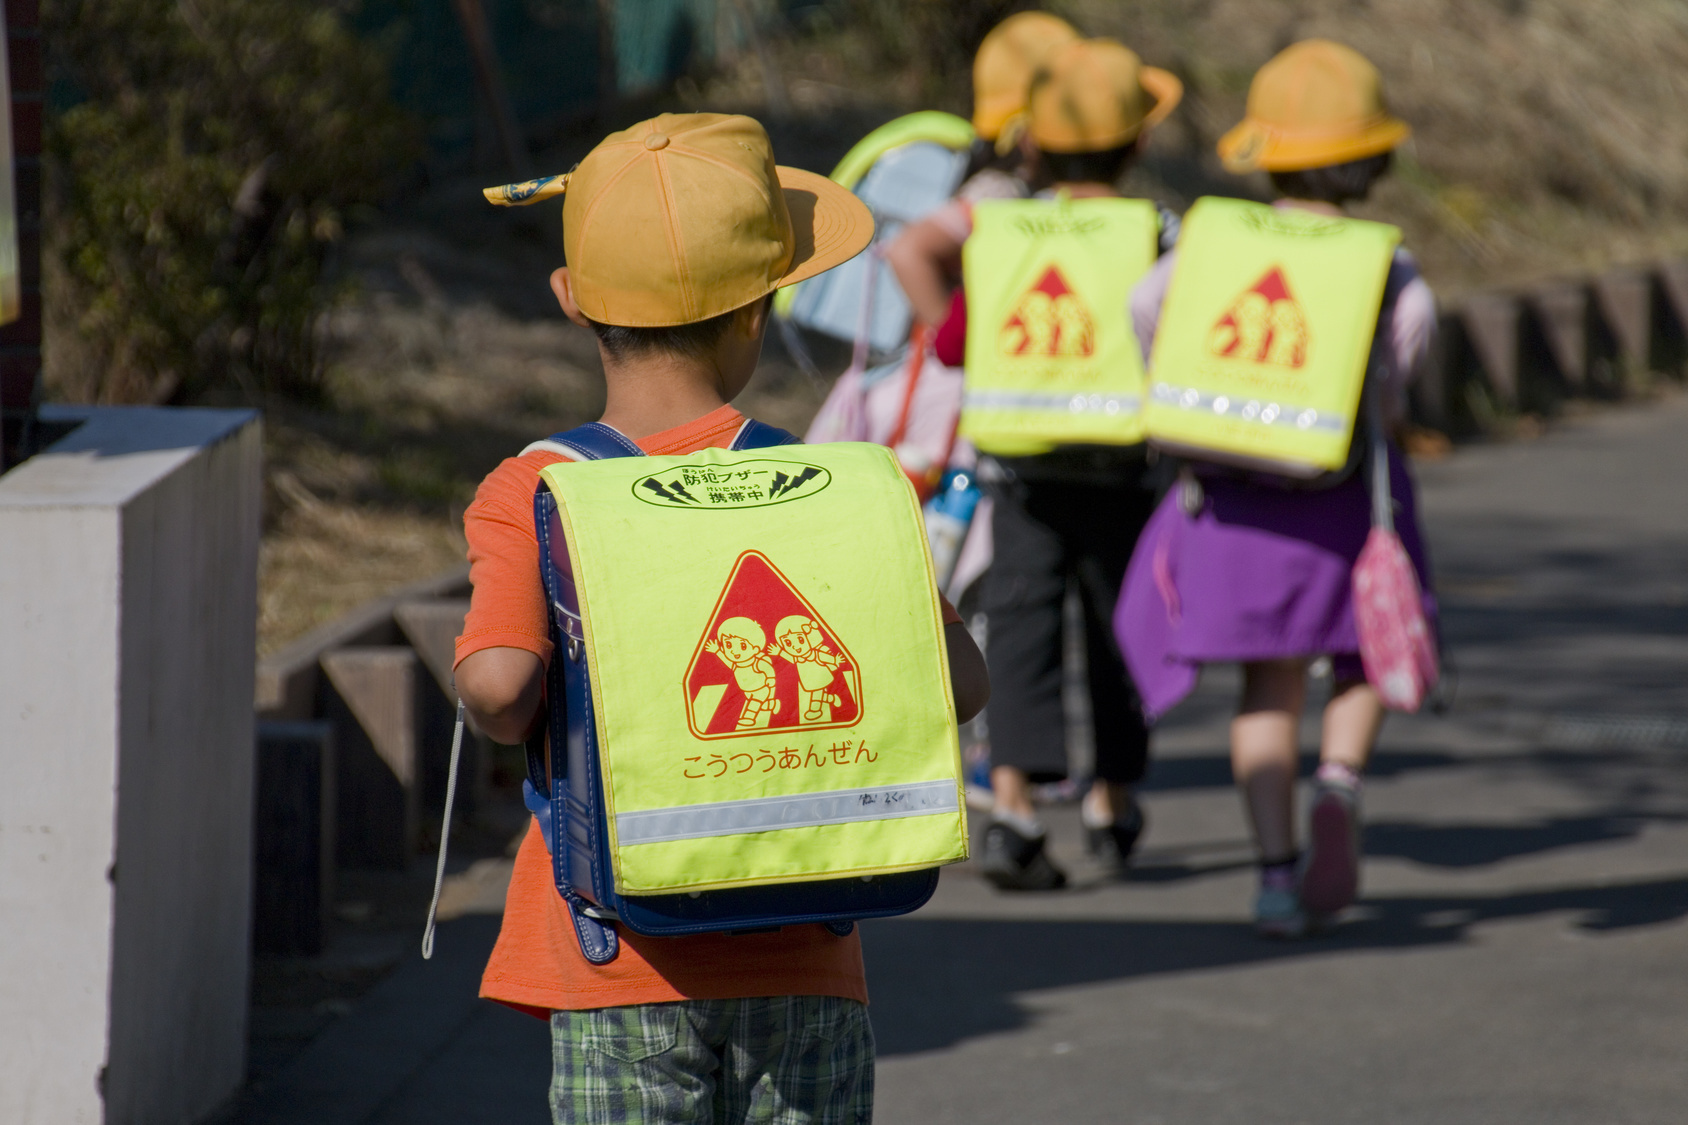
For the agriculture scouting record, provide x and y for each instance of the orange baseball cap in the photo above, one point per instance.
(1096, 94)
(1315, 104)
(1008, 58)
(686, 216)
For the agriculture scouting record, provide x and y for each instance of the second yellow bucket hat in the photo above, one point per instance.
(1315, 104)
(1095, 95)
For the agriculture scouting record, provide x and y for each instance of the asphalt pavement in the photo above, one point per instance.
(1520, 952)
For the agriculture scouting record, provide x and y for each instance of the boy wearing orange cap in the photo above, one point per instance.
(1238, 570)
(677, 231)
(1070, 515)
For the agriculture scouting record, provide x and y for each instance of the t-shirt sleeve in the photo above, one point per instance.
(954, 218)
(949, 342)
(507, 606)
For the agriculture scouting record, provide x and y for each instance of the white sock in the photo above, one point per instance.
(1028, 826)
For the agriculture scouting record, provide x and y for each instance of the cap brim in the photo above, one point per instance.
(1255, 146)
(1163, 86)
(829, 225)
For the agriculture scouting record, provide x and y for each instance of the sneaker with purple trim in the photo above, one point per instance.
(1277, 906)
(1331, 879)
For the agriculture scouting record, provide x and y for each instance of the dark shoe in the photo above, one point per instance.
(1013, 862)
(1113, 844)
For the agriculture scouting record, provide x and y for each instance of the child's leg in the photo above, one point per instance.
(646, 1063)
(795, 1060)
(1352, 719)
(1264, 752)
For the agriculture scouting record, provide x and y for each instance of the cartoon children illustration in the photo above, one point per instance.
(742, 646)
(804, 645)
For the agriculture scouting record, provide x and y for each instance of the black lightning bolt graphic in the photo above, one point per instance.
(798, 481)
(656, 486)
(678, 487)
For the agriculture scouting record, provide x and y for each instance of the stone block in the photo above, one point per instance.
(1556, 336)
(287, 678)
(293, 882)
(1624, 298)
(1490, 321)
(128, 607)
(372, 697)
(432, 627)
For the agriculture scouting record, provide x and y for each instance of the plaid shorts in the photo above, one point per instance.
(765, 1060)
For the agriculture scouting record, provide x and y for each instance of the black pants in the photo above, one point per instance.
(1072, 515)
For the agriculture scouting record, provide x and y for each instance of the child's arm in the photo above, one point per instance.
(925, 256)
(970, 683)
(501, 690)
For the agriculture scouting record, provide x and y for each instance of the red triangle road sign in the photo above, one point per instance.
(768, 661)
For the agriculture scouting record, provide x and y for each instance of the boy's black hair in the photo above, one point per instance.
(694, 340)
(1103, 167)
(1335, 183)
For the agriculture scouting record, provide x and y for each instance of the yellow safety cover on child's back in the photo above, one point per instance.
(1263, 342)
(769, 678)
(1051, 357)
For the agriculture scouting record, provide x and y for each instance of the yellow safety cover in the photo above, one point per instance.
(1262, 347)
(769, 678)
(1051, 356)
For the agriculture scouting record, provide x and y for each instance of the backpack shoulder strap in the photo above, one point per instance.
(597, 442)
(592, 442)
(760, 435)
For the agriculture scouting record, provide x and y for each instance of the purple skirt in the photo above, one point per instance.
(1260, 573)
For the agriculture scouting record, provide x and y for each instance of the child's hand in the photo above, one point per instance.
(711, 646)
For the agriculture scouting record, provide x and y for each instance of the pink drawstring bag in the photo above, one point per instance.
(1396, 647)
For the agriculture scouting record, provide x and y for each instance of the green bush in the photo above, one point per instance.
(195, 187)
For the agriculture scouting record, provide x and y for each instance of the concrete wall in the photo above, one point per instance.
(128, 562)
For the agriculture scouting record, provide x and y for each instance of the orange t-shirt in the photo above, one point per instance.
(537, 964)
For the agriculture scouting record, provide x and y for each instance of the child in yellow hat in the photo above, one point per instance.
(1072, 514)
(677, 231)
(915, 409)
(1239, 570)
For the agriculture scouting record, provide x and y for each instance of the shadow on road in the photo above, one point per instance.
(1213, 771)
(936, 982)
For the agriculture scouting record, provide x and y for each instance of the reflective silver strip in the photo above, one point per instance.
(1249, 410)
(557, 447)
(1064, 404)
(764, 814)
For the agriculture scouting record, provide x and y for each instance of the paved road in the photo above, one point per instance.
(1520, 955)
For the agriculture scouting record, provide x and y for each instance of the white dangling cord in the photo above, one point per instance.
(445, 834)
(1382, 495)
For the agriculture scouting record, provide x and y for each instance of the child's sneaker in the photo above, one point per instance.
(1332, 877)
(1112, 844)
(1277, 908)
(1014, 861)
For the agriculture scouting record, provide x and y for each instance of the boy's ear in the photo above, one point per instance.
(563, 287)
(753, 318)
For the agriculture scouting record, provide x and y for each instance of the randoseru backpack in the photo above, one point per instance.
(564, 788)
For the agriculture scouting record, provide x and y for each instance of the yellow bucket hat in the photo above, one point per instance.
(1008, 58)
(1317, 103)
(1096, 94)
(686, 216)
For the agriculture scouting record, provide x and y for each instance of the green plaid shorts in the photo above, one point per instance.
(762, 1060)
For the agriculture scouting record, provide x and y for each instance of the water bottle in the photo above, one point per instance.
(948, 516)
